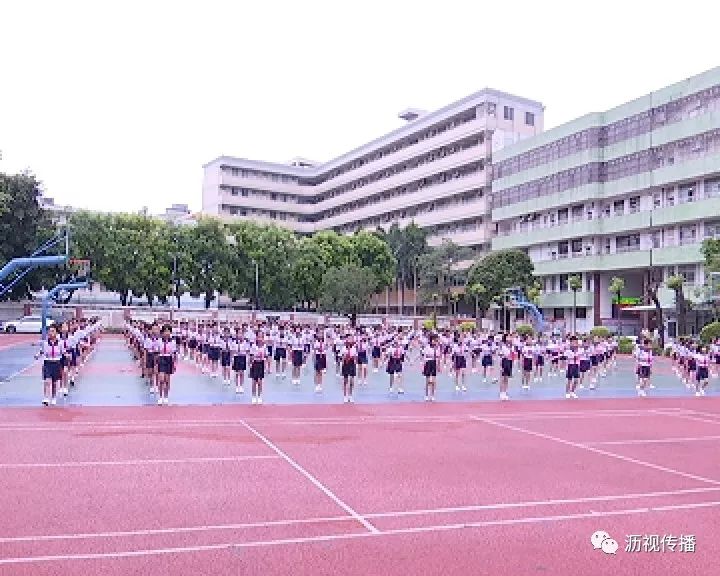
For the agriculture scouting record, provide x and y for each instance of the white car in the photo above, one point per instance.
(26, 325)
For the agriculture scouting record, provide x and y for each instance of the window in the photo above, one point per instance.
(588, 282)
(559, 313)
(688, 234)
(656, 239)
(508, 113)
(563, 249)
(687, 272)
(581, 313)
(627, 243)
(687, 194)
(529, 119)
(712, 229)
(634, 204)
(712, 188)
(619, 207)
(576, 246)
(563, 282)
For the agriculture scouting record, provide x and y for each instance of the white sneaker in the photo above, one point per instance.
(239, 390)
(642, 393)
(567, 396)
(464, 388)
(65, 391)
(652, 386)
(401, 391)
(254, 400)
(346, 400)
(526, 387)
(504, 396)
(159, 401)
(351, 400)
(46, 401)
(259, 400)
(432, 398)
(698, 393)
(457, 388)
(166, 401)
(573, 395)
(427, 398)
(318, 389)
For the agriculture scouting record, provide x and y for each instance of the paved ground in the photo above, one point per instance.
(111, 378)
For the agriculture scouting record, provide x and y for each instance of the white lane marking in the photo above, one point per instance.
(149, 461)
(335, 537)
(599, 451)
(315, 482)
(693, 418)
(330, 519)
(652, 441)
(21, 371)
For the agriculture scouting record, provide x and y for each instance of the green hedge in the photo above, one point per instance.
(600, 332)
(710, 332)
(467, 326)
(524, 330)
(625, 345)
(429, 324)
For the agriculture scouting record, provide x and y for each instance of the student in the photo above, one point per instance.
(281, 343)
(505, 352)
(572, 368)
(527, 353)
(459, 351)
(66, 362)
(430, 366)
(226, 354)
(376, 351)
(539, 353)
(362, 359)
(297, 347)
(215, 345)
(348, 358)
(644, 359)
(239, 350)
(394, 354)
(52, 350)
(166, 363)
(319, 360)
(487, 349)
(150, 347)
(702, 370)
(258, 353)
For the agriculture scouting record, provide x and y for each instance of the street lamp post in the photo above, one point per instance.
(415, 285)
(257, 285)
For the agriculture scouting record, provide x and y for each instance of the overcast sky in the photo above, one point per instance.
(116, 105)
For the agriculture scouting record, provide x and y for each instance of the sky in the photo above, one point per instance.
(117, 105)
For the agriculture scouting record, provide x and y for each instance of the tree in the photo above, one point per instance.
(407, 246)
(676, 283)
(440, 270)
(651, 290)
(478, 292)
(347, 290)
(369, 251)
(497, 272)
(24, 226)
(574, 283)
(711, 253)
(309, 268)
(209, 265)
(616, 287)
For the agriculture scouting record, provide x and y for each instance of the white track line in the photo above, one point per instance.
(330, 519)
(652, 441)
(312, 479)
(599, 451)
(92, 463)
(692, 418)
(34, 425)
(230, 546)
(22, 370)
(712, 415)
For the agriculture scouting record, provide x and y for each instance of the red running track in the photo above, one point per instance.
(516, 488)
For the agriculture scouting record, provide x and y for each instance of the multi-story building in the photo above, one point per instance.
(434, 170)
(631, 192)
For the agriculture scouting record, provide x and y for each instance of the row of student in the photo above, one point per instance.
(695, 363)
(64, 353)
(227, 349)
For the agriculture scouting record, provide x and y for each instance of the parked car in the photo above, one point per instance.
(25, 325)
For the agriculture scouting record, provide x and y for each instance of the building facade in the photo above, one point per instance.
(631, 192)
(435, 170)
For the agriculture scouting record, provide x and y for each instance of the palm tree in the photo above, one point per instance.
(617, 285)
(574, 283)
